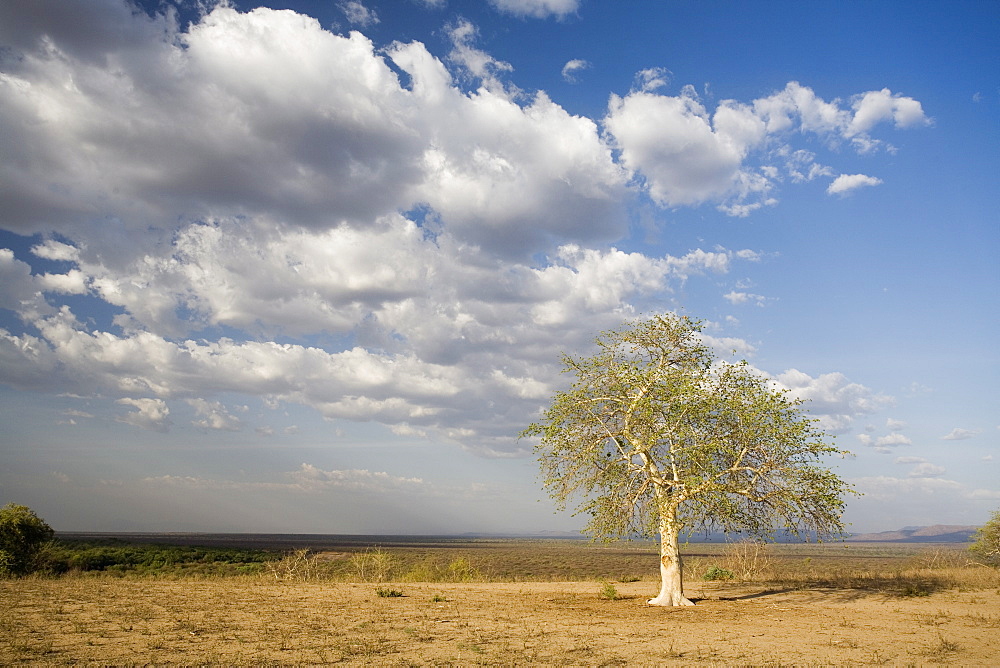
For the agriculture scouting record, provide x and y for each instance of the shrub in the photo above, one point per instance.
(23, 534)
(716, 573)
(297, 565)
(609, 593)
(460, 570)
(434, 569)
(748, 560)
(426, 570)
(388, 593)
(372, 565)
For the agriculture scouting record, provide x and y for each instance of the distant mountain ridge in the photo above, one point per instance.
(939, 533)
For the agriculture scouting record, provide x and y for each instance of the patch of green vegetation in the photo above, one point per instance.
(716, 573)
(388, 593)
(609, 592)
(119, 557)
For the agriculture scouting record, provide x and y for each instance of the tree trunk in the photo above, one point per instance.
(671, 584)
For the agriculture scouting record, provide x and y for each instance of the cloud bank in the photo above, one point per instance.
(265, 208)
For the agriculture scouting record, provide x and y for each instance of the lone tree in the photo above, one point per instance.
(658, 437)
(22, 536)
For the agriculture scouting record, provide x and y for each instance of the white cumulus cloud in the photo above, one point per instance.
(478, 63)
(70, 283)
(833, 398)
(149, 413)
(688, 154)
(537, 8)
(447, 332)
(926, 470)
(571, 68)
(672, 142)
(651, 78)
(959, 434)
(213, 415)
(358, 14)
(736, 298)
(845, 183)
(884, 444)
(877, 106)
(262, 207)
(892, 440)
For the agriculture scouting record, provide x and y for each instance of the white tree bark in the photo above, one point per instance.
(671, 581)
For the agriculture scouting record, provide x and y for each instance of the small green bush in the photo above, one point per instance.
(427, 570)
(460, 570)
(388, 593)
(609, 593)
(716, 573)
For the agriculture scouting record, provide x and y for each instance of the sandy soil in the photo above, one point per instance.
(253, 622)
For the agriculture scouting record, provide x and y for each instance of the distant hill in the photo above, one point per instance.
(939, 533)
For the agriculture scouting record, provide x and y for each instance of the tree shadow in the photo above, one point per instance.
(723, 596)
(885, 587)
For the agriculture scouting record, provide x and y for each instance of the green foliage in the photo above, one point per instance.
(609, 592)
(118, 557)
(427, 569)
(716, 573)
(388, 593)
(461, 570)
(435, 568)
(987, 545)
(655, 434)
(23, 534)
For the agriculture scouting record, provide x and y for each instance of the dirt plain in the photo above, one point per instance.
(528, 603)
(255, 622)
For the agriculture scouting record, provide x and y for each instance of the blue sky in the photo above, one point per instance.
(310, 267)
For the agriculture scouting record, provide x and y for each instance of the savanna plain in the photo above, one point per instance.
(444, 602)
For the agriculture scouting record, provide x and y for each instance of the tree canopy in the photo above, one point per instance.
(657, 436)
(987, 543)
(22, 536)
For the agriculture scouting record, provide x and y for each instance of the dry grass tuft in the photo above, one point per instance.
(749, 560)
(297, 566)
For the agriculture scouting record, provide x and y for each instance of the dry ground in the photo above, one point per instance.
(107, 621)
